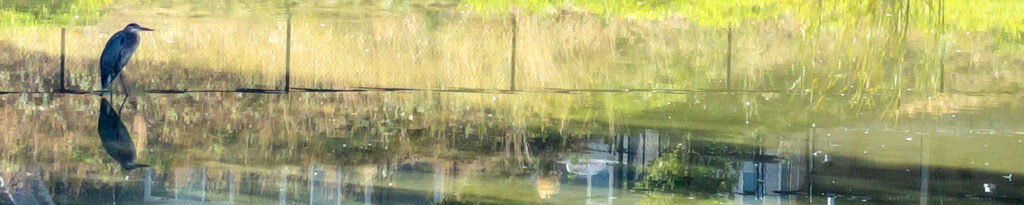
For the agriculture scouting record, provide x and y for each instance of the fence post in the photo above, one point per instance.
(515, 33)
(62, 52)
(942, 49)
(728, 61)
(288, 49)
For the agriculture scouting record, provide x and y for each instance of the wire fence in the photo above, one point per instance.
(62, 85)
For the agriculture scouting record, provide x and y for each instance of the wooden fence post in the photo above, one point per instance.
(515, 34)
(728, 61)
(62, 52)
(288, 48)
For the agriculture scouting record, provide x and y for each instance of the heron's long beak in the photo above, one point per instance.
(145, 29)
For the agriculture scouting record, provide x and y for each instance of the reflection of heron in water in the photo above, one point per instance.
(115, 137)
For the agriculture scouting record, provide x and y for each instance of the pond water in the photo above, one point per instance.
(432, 147)
(516, 102)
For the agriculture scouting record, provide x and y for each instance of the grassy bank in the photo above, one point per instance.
(843, 46)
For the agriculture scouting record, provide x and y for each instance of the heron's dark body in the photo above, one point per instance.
(115, 137)
(116, 55)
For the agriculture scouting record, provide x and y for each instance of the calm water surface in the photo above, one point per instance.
(561, 148)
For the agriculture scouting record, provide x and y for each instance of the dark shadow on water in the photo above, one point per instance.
(116, 139)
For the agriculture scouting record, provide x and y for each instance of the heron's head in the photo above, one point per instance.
(134, 27)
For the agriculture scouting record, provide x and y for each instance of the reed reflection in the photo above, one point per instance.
(114, 134)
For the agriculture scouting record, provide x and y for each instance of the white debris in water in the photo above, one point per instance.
(865, 151)
(867, 131)
(814, 125)
(910, 139)
(954, 115)
(323, 25)
(748, 103)
(494, 98)
(986, 163)
(748, 122)
(411, 118)
(989, 187)
(842, 94)
(344, 145)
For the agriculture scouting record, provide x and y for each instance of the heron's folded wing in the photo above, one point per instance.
(128, 45)
(111, 56)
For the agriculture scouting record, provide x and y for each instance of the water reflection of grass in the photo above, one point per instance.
(262, 132)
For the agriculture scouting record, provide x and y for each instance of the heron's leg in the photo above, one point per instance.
(125, 100)
(123, 86)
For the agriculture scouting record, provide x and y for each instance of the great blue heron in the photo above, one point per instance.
(118, 52)
(115, 137)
